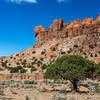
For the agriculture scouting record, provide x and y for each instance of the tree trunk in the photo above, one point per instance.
(75, 88)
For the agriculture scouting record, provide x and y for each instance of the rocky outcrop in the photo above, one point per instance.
(60, 29)
(20, 77)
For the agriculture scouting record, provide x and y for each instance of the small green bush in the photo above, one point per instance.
(99, 52)
(76, 46)
(96, 55)
(91, 46)
(62, 52)
(33, 52)
(33, 69)
(41, 59)
(91, 55)
(43, 52)
(53, 49)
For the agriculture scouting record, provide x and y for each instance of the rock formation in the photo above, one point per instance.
(60, 29)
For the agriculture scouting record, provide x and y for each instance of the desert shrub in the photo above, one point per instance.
(41, 59)
(76, 46)
(96, 55)
(33, 63)
(11, 57)
(23, 54)
(33, 69)
(62, 52)
(27, 98)
(15, 69)
(84, 53)
(91, 46)
(38, 64)
(33, 52)
(97, 87)
(95, 44)
(23, 71)
(24, 62)
(1, 69)
(44, 66)
(53, 49)
(91, 55)
(30, 82)
(81, 50)
(17, 63)
(17, 54)
(43, 52)
(51, 56)
(33, 58)
(4, 64)
(57, 44)
(69, 51)
(99, 52)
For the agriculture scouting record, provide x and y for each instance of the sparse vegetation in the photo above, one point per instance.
(91, 55)
(62, 52)
(33, 69)
(24, 62)
(41, 59)
(43, 52)
(76, 46)
(53, 49)
(91, 46)
(96, 55)
(15, 69)
(4, 64)
(33, 52)
(81, 50)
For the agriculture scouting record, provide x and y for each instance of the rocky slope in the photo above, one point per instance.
(78, 37)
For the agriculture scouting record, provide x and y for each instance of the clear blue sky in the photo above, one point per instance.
(18, 18)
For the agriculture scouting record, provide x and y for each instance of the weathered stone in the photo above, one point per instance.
(60, 29)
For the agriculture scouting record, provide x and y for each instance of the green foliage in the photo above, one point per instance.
(76, 46)
(84, 53)
(43, 52)
(53, 49)
(33, 52)
(70, 67)
(96, 55)
(18, 69)
(24, 62)
(91, 55)
(97, 87)
(62, 52)
(97, 72)
(4, 64)
(95, 44)
(99, 52)
(44, 66)
(91, 46)
(81, 50)
(57, 44)
(1, 69)
(33, 58)
(41, 59)
(23, 71)
(33, 69)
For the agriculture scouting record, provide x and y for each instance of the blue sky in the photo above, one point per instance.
(19, 17)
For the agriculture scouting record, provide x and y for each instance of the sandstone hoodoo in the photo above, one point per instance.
(60, 29)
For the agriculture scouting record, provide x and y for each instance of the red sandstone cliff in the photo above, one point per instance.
(60, 29)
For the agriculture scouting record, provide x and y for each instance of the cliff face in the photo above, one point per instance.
(60, 29)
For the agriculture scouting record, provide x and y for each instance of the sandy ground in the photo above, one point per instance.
(34, 94)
